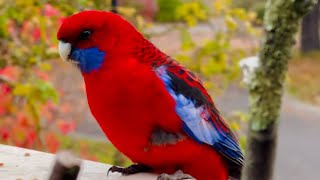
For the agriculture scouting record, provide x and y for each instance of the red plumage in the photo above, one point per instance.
(130, 101)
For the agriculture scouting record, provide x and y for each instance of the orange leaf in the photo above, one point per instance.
(52, 142)
(23, 120)
(66, 126)
(42, 75)
(9, 72)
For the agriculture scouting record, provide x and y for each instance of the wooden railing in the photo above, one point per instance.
(24, 164)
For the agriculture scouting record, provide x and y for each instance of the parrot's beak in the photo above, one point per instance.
(64, 50)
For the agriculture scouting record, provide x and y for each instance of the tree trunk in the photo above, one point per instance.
(266, 88)
(310, 35)
(114, 6)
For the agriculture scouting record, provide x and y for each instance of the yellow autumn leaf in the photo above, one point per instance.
(126, 11)
(191, 21)
(240, 13)
(234, 126)
(252, 16)
(208, 84)
(140, 21)
(22, 89)
(45, 66)
(231, 23)
(220, 6)
(191, 13)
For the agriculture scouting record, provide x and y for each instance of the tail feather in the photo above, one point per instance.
(234, 170)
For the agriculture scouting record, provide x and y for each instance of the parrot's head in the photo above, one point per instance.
(89, 37)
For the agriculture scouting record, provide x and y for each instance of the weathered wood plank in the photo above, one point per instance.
(25, 164)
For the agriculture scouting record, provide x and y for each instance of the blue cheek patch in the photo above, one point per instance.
(89, 59)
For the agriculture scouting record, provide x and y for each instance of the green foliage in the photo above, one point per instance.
(186, 40)
(214, 56)
(191, 12)
(27, 42)
(181, 10)
(27, 45)
(40, 90)
(167, 10)
(253, 5)
(238, 123)
(103, 151)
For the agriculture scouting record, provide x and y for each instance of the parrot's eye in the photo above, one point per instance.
(85, 35)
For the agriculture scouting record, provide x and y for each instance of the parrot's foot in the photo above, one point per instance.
(179, 175)
(133, 169)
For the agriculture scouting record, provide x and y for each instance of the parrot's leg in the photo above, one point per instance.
(133, 169)
(179, 175)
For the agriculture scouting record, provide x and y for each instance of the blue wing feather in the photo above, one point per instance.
(201, 121)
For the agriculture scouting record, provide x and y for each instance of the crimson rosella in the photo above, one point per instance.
(151, 108)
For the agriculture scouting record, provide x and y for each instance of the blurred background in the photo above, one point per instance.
(42, 99)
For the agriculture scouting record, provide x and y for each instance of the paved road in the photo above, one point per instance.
(298, 145)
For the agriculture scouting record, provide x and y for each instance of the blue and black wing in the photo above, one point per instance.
(194, 106)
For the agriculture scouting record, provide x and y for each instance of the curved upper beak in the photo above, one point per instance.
(64, 50)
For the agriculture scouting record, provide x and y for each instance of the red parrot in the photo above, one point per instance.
(151, 108)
